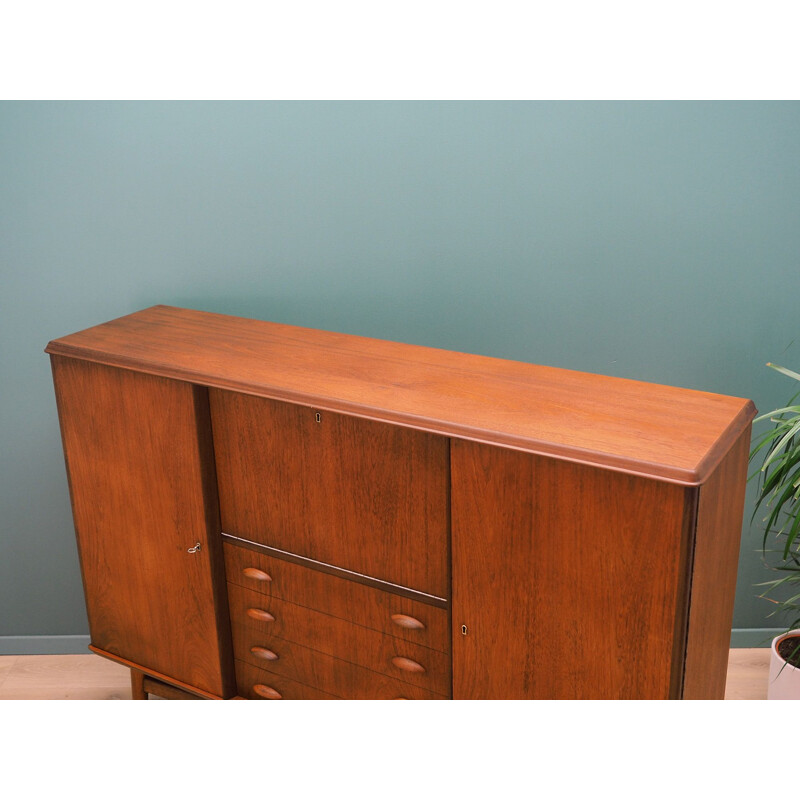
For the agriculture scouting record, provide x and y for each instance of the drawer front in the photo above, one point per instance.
(258, 684)
(261, 621)
(366, 496)
(410, 620)
(328, 674)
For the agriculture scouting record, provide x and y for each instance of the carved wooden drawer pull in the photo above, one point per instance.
(260, 614)
(404, 621)
(267, 692)
(262, 652)
(407, 665)
(256, 574)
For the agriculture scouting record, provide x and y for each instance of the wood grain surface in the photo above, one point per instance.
(358, 494)
(677, 434)
(139, 485)
(595, 521)
(748, 674)
(87, 677)
(329, 569)
(137, 685)
(63, 677)
(335, 637)
(165, 690)
(255, 684)
(150, 673)
(716, 557)
(332, 675)
(565, 576)
(341, 598)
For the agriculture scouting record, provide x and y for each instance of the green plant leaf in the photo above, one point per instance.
(776, 412)
(784, 371)
(792, 535)
(776, 583)
(778, 494)
(784, 442)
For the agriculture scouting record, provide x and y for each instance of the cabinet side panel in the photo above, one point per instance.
(716, 558)
(566, 577)
(137, 479)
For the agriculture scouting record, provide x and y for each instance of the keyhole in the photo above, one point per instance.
(464, 630)
(318, 417)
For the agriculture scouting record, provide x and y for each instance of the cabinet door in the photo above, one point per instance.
(366, 496)
(570, 579)
(140, 469)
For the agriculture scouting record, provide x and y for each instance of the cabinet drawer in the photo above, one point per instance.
(326, 673)
(365, 496)
(258, 684)
(263, 621)
(401, 617)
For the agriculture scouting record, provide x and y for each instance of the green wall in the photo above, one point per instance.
(651, 240)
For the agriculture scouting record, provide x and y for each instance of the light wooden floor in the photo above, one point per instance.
(90, 677)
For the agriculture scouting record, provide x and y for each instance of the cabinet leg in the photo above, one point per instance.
(137, 685)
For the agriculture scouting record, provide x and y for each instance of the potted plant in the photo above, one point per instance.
(779, 495)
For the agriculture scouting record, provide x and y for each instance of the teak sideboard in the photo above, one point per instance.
(267, 511)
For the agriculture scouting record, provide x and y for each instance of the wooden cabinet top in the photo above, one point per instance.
(664, 432)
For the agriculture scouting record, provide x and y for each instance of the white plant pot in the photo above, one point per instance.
(784, 679)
